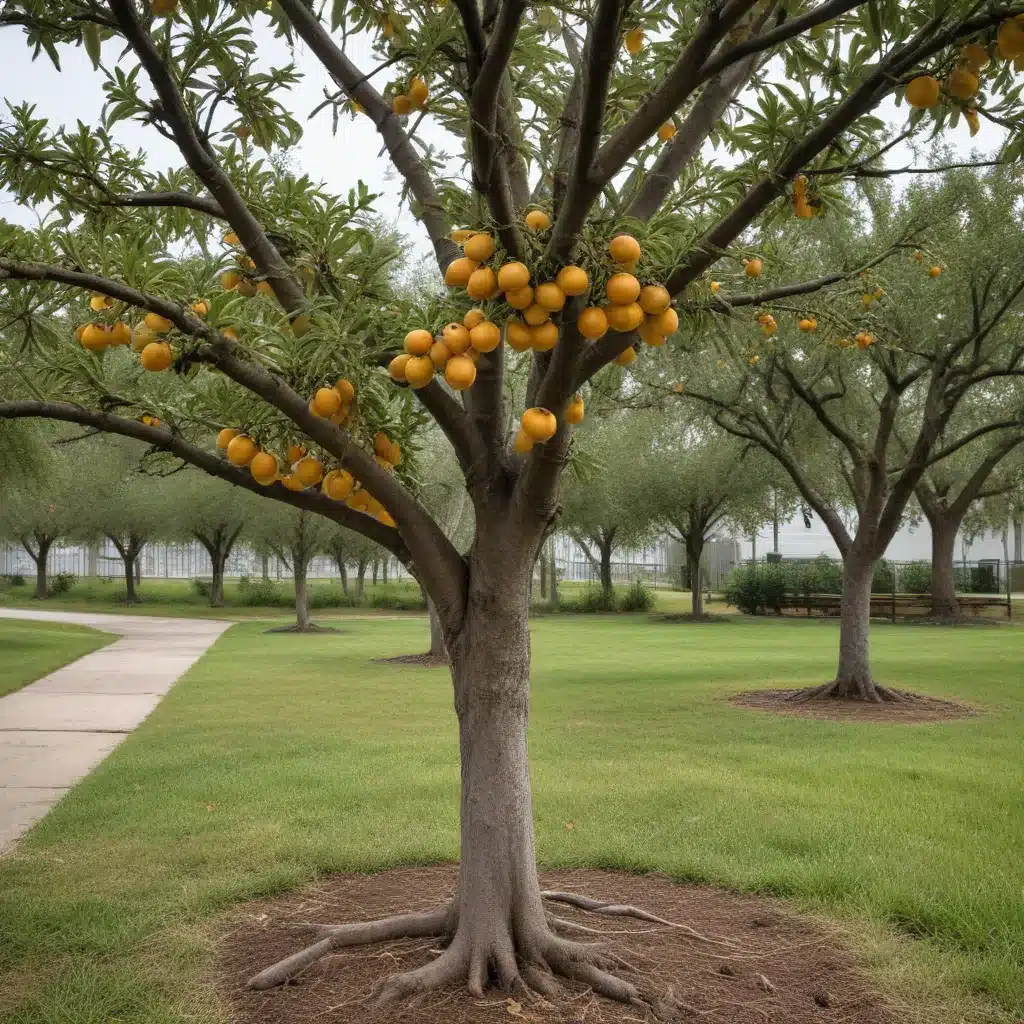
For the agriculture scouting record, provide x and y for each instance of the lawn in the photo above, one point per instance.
(279, 757)
(30, 650)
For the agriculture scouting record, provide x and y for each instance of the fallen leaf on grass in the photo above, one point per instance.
(765, 984)
(513, 1008)
(569, 826)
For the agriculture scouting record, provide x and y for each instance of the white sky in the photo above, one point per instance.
(338, 161)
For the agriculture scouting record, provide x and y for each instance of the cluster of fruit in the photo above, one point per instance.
(414, 99)
(454, 352)
(802, 205)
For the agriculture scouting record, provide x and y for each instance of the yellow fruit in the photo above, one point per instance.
(245, 261)
(544, 337)
(456, 338)
(200, 307)
(99, 302)
(752, 268)
(518, 336)
(807, 324)
(461, 234)
(401, 105)
(385, 517)
(769, 329)
(241, 450)
(342, 416)
(418, 93)
(535, 315)
(625, 358)
(264, 468)
(520, 298)
(513, 276)
(79, 332)
(485, 337)
(382, 462)
(974, 56)
(666, 131)
(634, 41)
(623, 318)
(395, 453)
(163, 8)
(346, 389)
(592, 323)
(537, 220)
(459, 272)
(387, 29)
(864, 340)
(923, 92)
(482, 284)
(935, 271)
(157, 324)
(1010, 39)
(574, 413)
(479, 247)
(654, 299)
(549, 296)
(156, 356)
(230, 280)
(95, 337)
(226, 436)
(246, 288)
(295, 452)
(668, 321)
(439, 354)
(973, 124)
(309, 471)
(397, 366)
(650, 332)
(716, 287)
(292, 482)
(572, 280)
(419, 371)
(120, 334)
(539, 424)
(381, 444)
(460, 373)
(622, 289)
(232, 239)
(326, 402)
(962, 83)
(624, 249)
(523, 442)
(265, 288)
(471, 319)
(230, 333)
(417, 343)
(338, 484)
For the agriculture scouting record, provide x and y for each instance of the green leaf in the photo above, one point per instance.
(91, 38)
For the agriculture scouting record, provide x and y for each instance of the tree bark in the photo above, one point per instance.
(217, 580)
(607, 587)
(41, 557)
(543, 576)
(301, 594)
(1018, 540)
(265, 559)
(130, 596)
(694, 550)
(343, 573)
(361, 578)
(437, 645)
(373, 570)
(944, 600)
(853, 676)
(384, 570)
(552, 580)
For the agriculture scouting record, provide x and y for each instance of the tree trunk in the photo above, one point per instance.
(694, 550)
(343, 573)
(384, 571)
(437, 646)
(607, 588)
(217, 581)
(129, 578)
(543, 576)
(41, 557)
(301, 594)
(360, 579)
(373, 571)
(944, 601)
(853, 676)
(1018, 540)
(552, 580)
(265, 559)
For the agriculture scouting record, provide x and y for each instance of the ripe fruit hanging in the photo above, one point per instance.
(624, 249)
(230, 280)
(974, 56)
(461, 234)
(626, 357)
(263, 468)
(923, 92)
(295, 452)
(650, 333)
(460, 373)
(973, 124)
(200, 307)
(523, 442)
(716, 287)
(592, 323)
(241, 450)
(417, 343)
(337, 484)
(574, 413)
(479, 247)
(513, 275)
(157, 323)
(232, 239)
(539, 424)
(482, 284)
(624, 318)
(456, 337)
(572, 280)
(397, 366)
(326, 402)
(520, 298)
(1010, 39)
(752, 268)
(401, 105)
(98, 302)
(163, 8)
(518, 336)
(309, 471)
(549, 296)
(419, 371)
(471, 319)
(537, 220)
(622, 289)
(439, 354)
(667, 131)
(544, 337)
(864, 340)
(654, 298)
(807, 324)
(418, 93)
(459, 272)
(246, 288)
(156, 356)
(535, 315)
(634, 41)
(346, 389)
(226, 436)
(485, 337)
(962, 83)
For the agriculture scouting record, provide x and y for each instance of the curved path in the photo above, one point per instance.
(56, 730)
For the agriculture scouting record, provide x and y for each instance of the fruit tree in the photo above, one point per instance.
(588, 203)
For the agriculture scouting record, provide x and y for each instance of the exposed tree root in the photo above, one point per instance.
(848, 690)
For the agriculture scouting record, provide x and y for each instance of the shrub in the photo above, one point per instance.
(263, 593)
(914, 578)
(16, 579)
(638, 598)
(743, 589)
(201, 587)
(592, 599)
(882, 579)
(772, 584)
(331, 597)
(61, 583)
(397, 601)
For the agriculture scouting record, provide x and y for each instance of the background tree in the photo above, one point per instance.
(351, 550)
(561, 159)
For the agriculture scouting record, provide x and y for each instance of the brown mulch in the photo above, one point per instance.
(920, 709)
(422, 660)
(787, 970)
(311, 628)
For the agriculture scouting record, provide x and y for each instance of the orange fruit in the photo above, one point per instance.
(518, 336)
(962, 83)
(668, 321)
(625, 358)
(439, 354)
(539, 424)
(99, 302)
(592, 323)
(295, 452)
(666, 131)
(264, 468)
(482, 284)
(935, 271)
(418, 93)
(716, 287)
(401, 105)
(381, 444)
(535, 315)
(485, 337)
(471, 319)
(156, 356)
(232, 239)
(397, 366)
(650, 332)
(246, 288)
(230, 333)
(164, 8)
(752, 268)
(309, 471)
(523, 442)
(572, 280)
(241, 450)
(624, 249)
(417, 343)
(974, 56)
(157, 324)
(395, 453)
(120, 334)
(544, 337)
(513, 276)
(1010, 39)
(923, 92)
(622, 289)
(346, 389)
(419, 371)
(338, 484)
(549, 296)
(574, 413)
(226, 436)
(479, 247)
(654, 299)
(807, 324)
(200, 307)
(459, 272)
(292, 482)
(537, 220)
(456, 337)
(520, 298)
(623, 318)
(634, 41)
(460, 373)
(326, 402)
(230, 280)
(461, 234)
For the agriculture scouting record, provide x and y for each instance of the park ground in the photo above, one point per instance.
(31, 650)
(278, 758)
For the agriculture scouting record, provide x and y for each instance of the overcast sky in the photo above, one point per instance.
(337, 160)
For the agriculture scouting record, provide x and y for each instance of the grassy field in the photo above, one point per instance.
(30, 650)
(280, 757)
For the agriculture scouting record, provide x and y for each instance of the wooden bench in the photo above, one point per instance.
(892, 605)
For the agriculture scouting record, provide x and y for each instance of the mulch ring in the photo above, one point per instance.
(311, 628)
(422, 660)
(919, 709)
(784, 969)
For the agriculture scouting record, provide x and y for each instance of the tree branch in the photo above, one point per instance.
(185, 200)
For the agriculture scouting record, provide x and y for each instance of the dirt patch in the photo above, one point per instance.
(919, 709)
(706, 619)
(311, 628)
(422, 660)
(785, 969)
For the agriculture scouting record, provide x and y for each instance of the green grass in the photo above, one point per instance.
(280, 757)
(31, 649)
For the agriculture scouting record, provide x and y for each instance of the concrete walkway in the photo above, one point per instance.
(54, 731)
